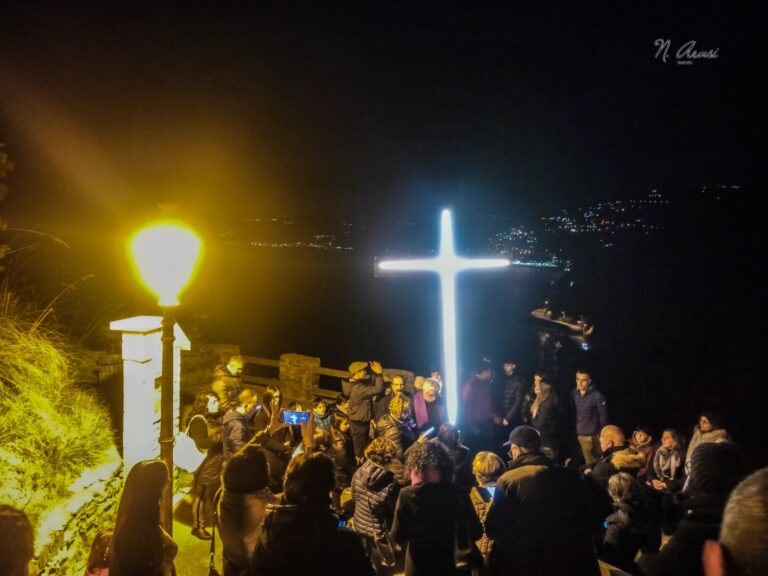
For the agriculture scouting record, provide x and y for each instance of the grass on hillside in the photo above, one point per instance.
(50, 429)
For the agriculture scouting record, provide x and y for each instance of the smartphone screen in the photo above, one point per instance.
(491, 490)
(294, 417)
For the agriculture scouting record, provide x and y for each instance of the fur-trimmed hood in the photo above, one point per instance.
(628, 459)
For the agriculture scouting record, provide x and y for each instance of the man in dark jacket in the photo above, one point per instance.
(513, 394)
(477, 409)
(541, 519)
(617, 457)
(434, 518)
(236, 432)
(381, 404)
(364, 385)
(590, 411)
(302, 535)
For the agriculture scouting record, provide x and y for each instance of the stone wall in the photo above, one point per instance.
(197, 366)
(63, 539)
(298, 377)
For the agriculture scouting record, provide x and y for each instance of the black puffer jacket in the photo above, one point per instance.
(375, 491)
(512, 400)
(399, 433)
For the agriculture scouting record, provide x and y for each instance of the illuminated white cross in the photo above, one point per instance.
(447, 265)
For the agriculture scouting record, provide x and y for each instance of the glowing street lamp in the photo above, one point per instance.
(447, 264)
(165, 255)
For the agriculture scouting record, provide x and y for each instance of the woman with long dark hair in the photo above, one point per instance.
(139, 543)
(545, 415)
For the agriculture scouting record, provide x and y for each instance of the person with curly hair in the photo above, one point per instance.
(434, 518)
(375, 488)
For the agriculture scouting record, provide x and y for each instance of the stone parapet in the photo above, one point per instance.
(64, 536)
(298, 377)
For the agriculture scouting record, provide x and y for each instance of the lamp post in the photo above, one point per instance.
(165, 255)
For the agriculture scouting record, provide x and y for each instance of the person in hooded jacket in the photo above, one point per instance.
(301, 535)
(375, 489)
(242, 506)
(617, 457)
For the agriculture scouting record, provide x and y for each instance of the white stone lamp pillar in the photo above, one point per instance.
(142, 378)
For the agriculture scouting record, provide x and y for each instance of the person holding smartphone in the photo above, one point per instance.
(274, 436)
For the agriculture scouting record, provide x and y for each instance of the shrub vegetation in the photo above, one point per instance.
(51, 430)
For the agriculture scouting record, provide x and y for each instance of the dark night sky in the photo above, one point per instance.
(381, 109)
(392, 111)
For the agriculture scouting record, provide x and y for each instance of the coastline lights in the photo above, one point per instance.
(447, 264)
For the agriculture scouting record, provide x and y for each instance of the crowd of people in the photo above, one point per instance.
(379, 482)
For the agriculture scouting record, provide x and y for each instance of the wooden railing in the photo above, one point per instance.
(274, 365)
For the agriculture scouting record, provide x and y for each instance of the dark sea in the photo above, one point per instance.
(333, 305)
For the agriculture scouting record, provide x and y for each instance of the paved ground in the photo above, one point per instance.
(193, 556)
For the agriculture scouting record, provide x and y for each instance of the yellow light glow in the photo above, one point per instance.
(165, 255)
